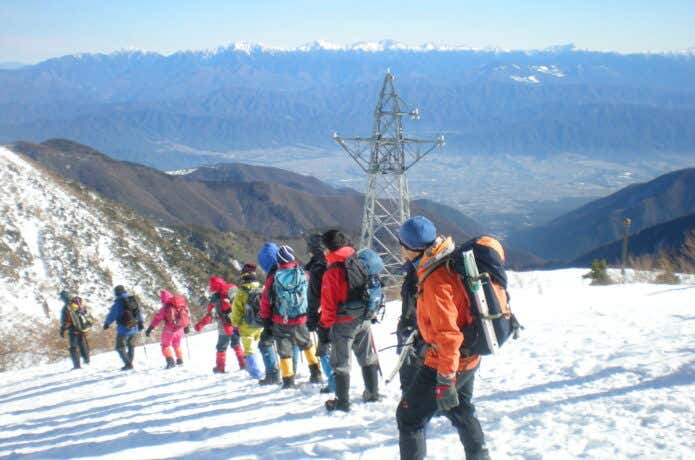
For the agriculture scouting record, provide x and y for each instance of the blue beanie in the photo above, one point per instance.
(417, 233)
(267, 256)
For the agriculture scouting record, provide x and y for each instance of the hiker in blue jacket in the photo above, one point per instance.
(127, 314)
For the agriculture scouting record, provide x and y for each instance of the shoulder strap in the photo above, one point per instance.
(444, 261)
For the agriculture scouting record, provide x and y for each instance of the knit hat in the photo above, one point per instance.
(248, 270)
(313, 243)
(119, 290)
(417, 233)
(267, 256)
(334, 240)
(285, 255)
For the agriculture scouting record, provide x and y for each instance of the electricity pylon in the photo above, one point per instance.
(385, 157)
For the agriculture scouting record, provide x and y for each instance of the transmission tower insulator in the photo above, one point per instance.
(385, 157)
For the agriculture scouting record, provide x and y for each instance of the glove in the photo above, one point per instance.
(446, 394)
(149, 331)
(106, 326)
(198, 327)
(141, 326)
(324, 334)
(62, 332)
(312, 322)
(186, 330)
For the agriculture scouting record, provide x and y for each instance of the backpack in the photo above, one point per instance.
(252, 308)
(290, 287)
(80, 316)
(365, 296)
(219, 312)
(177, 312)
(490, 264)
(131, 310)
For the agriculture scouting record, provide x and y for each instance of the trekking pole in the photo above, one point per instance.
(378, 364)
(406, 352)
(188, 348)
(144, 344)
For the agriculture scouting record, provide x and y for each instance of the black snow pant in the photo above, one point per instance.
(408, 371)
(125, 346)
(419, 405)
(78, 346)
(231, 341)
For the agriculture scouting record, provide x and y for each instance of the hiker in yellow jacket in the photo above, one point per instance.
(246, 317)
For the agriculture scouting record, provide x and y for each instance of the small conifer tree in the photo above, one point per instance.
(599, 274)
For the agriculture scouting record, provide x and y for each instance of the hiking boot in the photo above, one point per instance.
(337, 404)
(368, 397)
(217, 370)
(288, 382)
(371, 383)
(272, 379)
(179, 362)
(170, 363)
(342, 394)
(127, 367)
(481, 454)
(315, 374)
(325, 390)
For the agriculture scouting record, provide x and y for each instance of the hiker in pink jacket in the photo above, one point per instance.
(174, 313)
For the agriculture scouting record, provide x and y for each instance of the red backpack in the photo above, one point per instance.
(177, 313)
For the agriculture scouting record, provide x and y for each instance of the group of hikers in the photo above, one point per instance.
(276, 319)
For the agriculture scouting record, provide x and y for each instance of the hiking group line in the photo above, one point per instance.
(455, 309)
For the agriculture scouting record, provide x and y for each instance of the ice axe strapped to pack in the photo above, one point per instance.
(480, 264)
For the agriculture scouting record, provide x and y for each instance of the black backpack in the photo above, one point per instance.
(490, 265)
(252, 308)
(131, 310)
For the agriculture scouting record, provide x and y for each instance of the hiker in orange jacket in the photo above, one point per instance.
(445, 382)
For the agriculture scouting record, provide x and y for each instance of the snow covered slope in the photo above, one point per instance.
(600, 372)
(55, 236)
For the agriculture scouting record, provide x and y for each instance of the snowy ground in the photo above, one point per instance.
(600, 372)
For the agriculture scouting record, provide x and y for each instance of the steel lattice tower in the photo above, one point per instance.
(385, 157)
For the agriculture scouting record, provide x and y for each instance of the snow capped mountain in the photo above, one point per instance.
(597, 373)
(56, 235)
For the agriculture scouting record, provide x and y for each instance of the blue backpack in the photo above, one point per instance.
(365, 296)
(290, 287)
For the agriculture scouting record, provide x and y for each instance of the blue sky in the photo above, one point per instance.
(32, 30)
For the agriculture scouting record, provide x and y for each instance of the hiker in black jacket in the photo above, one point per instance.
(316, 268)
(407, 323)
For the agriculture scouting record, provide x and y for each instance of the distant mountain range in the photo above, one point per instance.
(667, 238)
(600, 222)
(191, 108)
(270, 202)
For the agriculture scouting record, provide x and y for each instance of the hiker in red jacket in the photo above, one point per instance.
(284, 310)
(344, 332)
(220, 308)
(174, 313)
